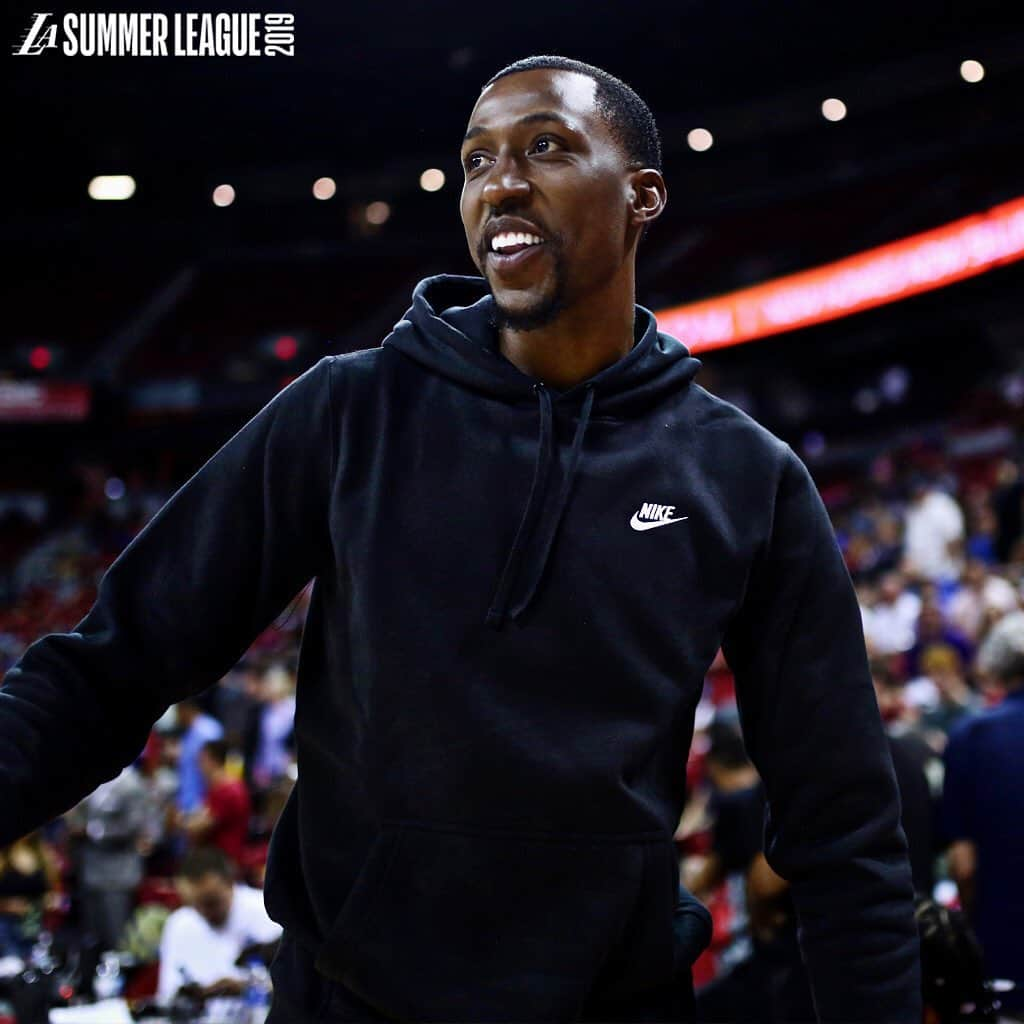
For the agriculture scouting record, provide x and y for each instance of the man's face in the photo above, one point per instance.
(930, 621)
(211, 896)
(891, 588)
(539, 160)
(171, 752)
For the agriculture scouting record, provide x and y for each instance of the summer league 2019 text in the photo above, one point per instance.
(154, 34)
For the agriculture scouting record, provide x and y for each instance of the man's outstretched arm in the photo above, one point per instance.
(813, 730)
(175, 611)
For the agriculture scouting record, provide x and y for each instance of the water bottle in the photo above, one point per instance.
(258, 989)
(41, 957)
(34, 996)
(108, 981)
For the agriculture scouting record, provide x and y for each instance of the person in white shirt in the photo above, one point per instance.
(982, 598)
(933, 533)
(890, 622)
(206, 943)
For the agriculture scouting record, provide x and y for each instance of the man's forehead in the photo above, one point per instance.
(569, 93)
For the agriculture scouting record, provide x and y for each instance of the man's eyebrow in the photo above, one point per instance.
(540, 115)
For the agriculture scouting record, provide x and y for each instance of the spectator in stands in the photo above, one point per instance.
(205, 943)
(918, 774)
(953, 697)
(234, 701)
(196, 728)
(918, 771)
(113, 826)
(890, 621)
(982, 533)
(277, 723)
(983, 807)
(762, 977)
(158, 770)
(875, 545)
(28, 873)
(1008, 506)
(933, 533)
(888, 540)
(892, 703)
(223, 820)
(859, 553)
(933, 629)
(981, 598)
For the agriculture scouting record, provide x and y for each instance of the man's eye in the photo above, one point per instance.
(474, 161)
(544, 144)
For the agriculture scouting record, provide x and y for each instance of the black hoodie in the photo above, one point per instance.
(517, 594)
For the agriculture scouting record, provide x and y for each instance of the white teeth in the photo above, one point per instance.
(509, 238)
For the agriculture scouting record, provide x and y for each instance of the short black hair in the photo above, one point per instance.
(216, 749)
(206, 860)
(628, 117)
(726, 746)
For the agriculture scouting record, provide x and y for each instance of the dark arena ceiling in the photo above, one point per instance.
(376, 93)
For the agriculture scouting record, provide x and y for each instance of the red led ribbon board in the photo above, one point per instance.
(895, 271)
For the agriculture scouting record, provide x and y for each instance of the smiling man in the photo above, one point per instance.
(531, 531)
(562, 174)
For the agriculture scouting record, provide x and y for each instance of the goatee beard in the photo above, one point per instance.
(544, 312)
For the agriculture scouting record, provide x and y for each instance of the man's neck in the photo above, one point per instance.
(582, 341)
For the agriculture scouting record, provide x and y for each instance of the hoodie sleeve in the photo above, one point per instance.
(178, 607)
(813, 730)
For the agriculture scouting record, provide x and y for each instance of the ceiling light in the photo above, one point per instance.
(833, 109)
(972, 71)
(324, 188)
(700, 139)
(112, 186)
(378, 212)
(432, 179)
(223, 195)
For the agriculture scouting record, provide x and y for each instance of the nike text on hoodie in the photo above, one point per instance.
(517, 594)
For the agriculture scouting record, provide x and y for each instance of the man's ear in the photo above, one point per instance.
(647, 196)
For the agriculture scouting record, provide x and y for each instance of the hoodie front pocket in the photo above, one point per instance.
(447, 923)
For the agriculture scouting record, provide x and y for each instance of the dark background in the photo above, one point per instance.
(168, 288)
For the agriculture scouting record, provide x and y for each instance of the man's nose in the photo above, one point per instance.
(505, 182)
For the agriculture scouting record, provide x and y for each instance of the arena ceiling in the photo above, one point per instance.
(376, 93)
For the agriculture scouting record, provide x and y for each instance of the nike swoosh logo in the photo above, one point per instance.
(639, 524)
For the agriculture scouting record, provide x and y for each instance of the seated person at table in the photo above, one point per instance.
(224, 923)
(29, 877)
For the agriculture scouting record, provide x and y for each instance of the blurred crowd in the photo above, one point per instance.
(165, 862)
(936, 554)
(935, 548)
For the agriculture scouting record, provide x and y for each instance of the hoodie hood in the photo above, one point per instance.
(450, 330)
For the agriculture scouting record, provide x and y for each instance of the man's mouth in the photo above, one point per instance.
(508, 243)
(509, 262)
(510, 252)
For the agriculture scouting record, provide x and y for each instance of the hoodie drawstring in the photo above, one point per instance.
(534, 504)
